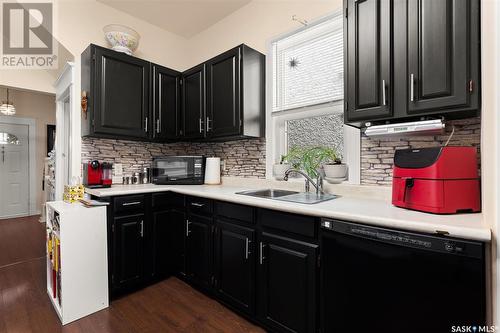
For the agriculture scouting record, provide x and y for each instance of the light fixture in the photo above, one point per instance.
(7, 108)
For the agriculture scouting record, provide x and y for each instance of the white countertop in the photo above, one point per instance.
(348, 208)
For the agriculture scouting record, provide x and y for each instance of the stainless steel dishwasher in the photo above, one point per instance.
(382, 280)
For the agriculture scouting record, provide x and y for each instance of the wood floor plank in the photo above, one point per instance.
(168, 306)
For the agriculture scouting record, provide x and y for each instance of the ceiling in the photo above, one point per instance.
(182, 17)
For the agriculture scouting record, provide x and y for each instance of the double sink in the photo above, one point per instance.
(290, 196)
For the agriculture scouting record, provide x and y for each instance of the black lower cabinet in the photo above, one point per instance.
(287, 274)
(234, 263)
(176, 242)
(198, 250)
(128, 251)
(161, 228)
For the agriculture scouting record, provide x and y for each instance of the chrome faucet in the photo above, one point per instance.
(318, 185)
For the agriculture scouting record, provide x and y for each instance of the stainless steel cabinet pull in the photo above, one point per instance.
(247, 250)
(383, 92)
(209, 128)
(187, 228)
(142, 228)
(158, 130)
(411, 88)
(201, 125)
(261, 255)
(146, 124)
(196, 204)
(131, 203)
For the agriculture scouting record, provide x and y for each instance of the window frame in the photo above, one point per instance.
(276, 144)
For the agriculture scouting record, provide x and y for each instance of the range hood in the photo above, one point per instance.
(424, 127)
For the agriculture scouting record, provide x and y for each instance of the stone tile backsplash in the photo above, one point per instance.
(242, 158)
(377, 154)
(247, 158)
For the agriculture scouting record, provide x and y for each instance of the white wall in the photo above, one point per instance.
(254, 24)
(490, 144)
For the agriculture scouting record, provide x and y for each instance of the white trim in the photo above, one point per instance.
(33, 210)
(275, 129)
(65, 89)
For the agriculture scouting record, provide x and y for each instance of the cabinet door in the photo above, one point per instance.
(223, 94)
(438, 57)
(128, 251)
(287, 284)
(160, 232)
(368, 59)
(166, 103)
(193, 102)
(198, 248)
(122, 95)
(235, 265)
(176, 242)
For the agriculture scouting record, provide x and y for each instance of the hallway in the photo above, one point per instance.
(168, 306)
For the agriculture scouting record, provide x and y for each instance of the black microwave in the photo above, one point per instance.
(179, 170)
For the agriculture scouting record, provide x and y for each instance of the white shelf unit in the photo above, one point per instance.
(82, 233)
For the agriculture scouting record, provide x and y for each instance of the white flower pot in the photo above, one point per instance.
(279, 170)
(335, 170)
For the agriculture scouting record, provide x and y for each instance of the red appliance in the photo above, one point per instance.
(440, 180)
(97, 175)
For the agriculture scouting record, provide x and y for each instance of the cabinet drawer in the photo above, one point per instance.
(129, 203)
(297, 224)
(202, 206)
(235, 211)
(168, 199)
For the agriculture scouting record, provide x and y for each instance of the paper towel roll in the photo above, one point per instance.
(212, 171)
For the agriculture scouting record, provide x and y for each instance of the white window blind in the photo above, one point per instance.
(308, 66)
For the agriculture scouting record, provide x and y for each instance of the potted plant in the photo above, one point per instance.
(292, 159)
(314, 158)
(336, 169)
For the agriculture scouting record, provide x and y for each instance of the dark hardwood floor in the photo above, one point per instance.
(168, 306)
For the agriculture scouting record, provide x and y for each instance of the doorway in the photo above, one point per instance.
(15, 173)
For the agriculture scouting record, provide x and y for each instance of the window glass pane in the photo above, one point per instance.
(316, 131)
(308, 66)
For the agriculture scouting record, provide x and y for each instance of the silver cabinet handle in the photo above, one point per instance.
(383, 92)
(195, 204)
(247, 250)
(261, 255)
(146, 124)
(411, 88)
(209, 128)
(131, 203)
(187, 228)
(142, 228)
(158, 130)
(201, 125)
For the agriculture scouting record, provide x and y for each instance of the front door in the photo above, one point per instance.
(14, 171)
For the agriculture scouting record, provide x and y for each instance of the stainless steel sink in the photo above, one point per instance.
(291, 196)
(267, 193)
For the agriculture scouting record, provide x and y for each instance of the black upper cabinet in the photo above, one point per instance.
(223, 95)
(193, 103)
(117, 87)
(439, 65)
(421, 55)
(235, 265)
(287, 284)
(128, 251)
(166, 104)
(368, 61)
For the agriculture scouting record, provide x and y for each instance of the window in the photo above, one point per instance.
(306, 90)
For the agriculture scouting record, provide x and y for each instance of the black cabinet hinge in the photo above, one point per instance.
(180, 82)
(346, 13)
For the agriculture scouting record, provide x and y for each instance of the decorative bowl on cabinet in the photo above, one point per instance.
(122, 38)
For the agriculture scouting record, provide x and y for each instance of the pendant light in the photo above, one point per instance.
(7, 108)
